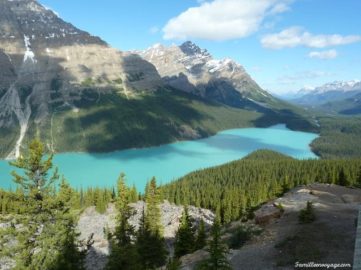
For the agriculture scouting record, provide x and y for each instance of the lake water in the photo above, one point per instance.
(171, 161)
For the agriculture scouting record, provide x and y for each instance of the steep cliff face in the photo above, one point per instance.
(46, 63)
(192, 69)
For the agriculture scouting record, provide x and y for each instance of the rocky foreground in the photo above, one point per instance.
(93, 223)
(283, 241)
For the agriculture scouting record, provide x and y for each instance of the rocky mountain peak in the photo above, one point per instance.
(191, 49)
(191, 69)
(19, 18)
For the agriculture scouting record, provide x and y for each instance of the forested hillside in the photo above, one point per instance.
(233, 190)
(340, 137)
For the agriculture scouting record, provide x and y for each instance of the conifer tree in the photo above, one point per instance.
(185, 239)
(47, 237)
(133, 196)
(150, 242)
(201, 236)
(150, 247)
(358, 180)
(342, 179)
(123, 251)
(217, 251)
(153, 215)
(173, 264)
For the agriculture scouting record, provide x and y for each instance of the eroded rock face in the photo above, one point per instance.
(46, 63)
(192, 69)
(92, 223)
(266, 213)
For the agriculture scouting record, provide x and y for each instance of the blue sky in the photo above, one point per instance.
(284, 44)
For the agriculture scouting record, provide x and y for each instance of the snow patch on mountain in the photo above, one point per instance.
(29, 54)
(343, 86)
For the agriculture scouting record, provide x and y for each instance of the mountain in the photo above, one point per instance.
(192, 69)
(47, 63)
(76, 93)
(347, 106)
(329, 92)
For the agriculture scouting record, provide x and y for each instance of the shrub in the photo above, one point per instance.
(307, 215)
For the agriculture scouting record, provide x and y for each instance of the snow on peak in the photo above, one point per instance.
(29, 54)
(333, 86)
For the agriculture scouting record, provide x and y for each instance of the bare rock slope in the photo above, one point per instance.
(284, 241)
(93, 223)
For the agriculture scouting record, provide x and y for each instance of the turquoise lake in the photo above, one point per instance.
(171, 161)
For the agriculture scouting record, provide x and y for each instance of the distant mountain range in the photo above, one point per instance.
(77, 93)
(336, 97)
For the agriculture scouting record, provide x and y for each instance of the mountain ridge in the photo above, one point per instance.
(189, 68)
(329, 91)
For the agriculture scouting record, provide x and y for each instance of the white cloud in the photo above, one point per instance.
(330, 54)
(223, 19)
(297, 36)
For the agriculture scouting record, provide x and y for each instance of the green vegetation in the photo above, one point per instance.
(116, 122)
(150, 242)
(242, 234)
(118, 81)
(233, 190)
(42, 218)
(185, 237)
(217, 252)
(340, 137)
(88, 82)
(133, 77)
(307, 215)
(201, 236)
(123, 249)
(46, 237)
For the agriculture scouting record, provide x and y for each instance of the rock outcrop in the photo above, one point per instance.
(94, 224)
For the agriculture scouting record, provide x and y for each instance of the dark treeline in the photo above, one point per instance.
(234, 189)
(12, 202)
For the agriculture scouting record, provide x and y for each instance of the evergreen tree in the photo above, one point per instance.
(173, 264)
(217, 252)
(307, 215)
(150, 242)
(123, 251)
(47, 237)
(201, 236)
(153, 215)
(342, 179)
(150, 247)
(185, 239)
(358, 180)
(133, 196)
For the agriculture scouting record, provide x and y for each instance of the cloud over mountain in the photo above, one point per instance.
(223, 19)
(297, 36)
